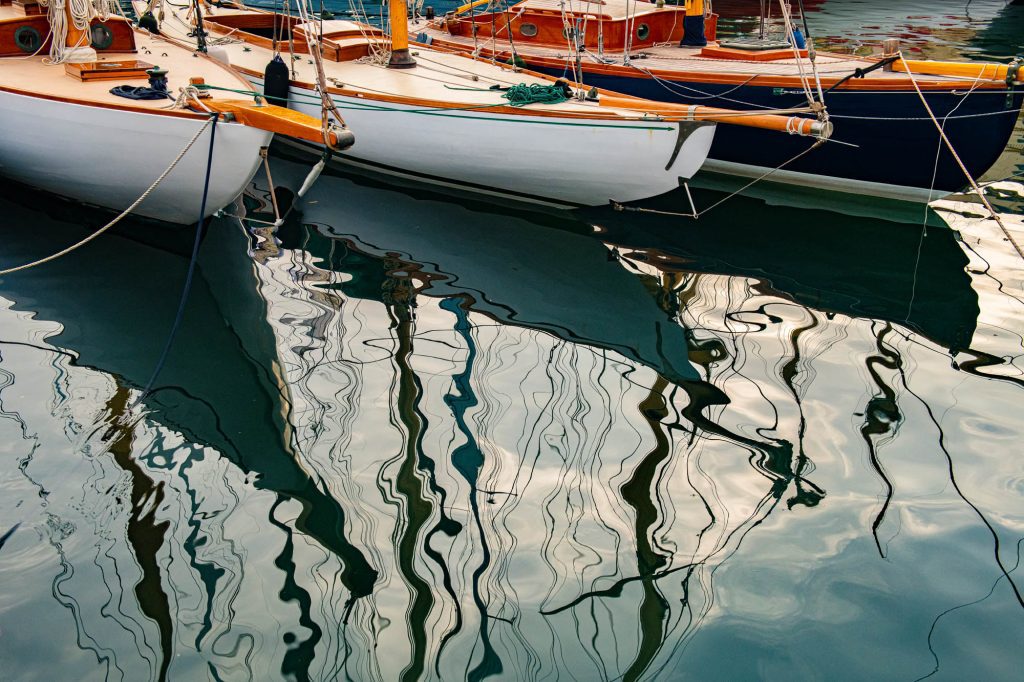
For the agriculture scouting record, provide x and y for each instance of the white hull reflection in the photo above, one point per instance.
(506, 486)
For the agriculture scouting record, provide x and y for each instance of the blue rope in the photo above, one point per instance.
(191, 268)
(140, 92)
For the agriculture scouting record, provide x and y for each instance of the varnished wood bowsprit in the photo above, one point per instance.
(275, 119)
(794, 125)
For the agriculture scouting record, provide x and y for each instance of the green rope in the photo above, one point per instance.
(523, 94)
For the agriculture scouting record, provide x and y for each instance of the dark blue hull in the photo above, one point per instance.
(895, 141)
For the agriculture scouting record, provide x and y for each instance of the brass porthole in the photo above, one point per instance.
(528, 30)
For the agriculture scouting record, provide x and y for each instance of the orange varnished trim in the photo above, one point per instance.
(399, 25)
(76, 37)
(781, 124)
(178, 113)
(273, 119)
(641, 110)
(662, 26)
(350, 47)
(122, 69)
(222, 25)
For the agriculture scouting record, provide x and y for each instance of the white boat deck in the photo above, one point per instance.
(33, 75)
(440, 79)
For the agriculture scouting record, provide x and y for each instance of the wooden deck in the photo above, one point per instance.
(30, 74)
(441, 78)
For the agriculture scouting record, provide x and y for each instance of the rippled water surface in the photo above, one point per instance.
(943, 29)
(408, 437)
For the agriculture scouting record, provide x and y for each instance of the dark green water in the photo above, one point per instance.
(416, 438)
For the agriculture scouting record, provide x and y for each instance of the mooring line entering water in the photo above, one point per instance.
(967, 173)
(123, 213)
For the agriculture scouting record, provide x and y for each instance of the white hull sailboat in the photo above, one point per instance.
(41, 151)
(451, 120)
(886, 142)
(66, 132)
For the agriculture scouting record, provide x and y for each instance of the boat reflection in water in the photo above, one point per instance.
(900, 272)
(423, 440)
(213, 432)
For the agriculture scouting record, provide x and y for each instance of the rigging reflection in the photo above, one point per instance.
(437, 441)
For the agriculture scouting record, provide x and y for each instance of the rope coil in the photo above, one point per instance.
(535, 93)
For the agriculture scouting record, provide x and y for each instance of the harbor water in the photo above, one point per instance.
(412, 436)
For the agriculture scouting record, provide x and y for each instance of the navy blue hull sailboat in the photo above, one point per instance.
(885, 143)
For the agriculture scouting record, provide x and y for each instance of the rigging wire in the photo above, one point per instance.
(959, 161)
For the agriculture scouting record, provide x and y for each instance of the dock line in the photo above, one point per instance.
(967, 173)
(123, 213)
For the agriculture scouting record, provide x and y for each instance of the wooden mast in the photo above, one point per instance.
(78, 44)
(399, 17)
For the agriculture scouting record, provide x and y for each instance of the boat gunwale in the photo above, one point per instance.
(605, 114)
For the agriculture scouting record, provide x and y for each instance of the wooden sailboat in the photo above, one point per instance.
(886, 144)
(66, 132)
(440, 117)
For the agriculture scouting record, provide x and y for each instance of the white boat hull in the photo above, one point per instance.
(550, 160)
(108, 157)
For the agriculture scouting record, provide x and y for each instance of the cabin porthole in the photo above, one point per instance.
(643, 31)
(528, 30)
(102, 37)
(28, 39)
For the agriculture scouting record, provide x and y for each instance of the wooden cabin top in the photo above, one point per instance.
(609, 10)
(123, 63)
(543, 22)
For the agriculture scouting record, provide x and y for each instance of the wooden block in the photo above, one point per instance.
(124, 69)
(29, 7)
(717, 52)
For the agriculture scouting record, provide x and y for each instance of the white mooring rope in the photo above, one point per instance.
(123, 213)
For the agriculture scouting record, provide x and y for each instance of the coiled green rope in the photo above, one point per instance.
(523, 94)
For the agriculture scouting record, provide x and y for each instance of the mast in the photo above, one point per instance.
(399, 18)
(78, 43)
